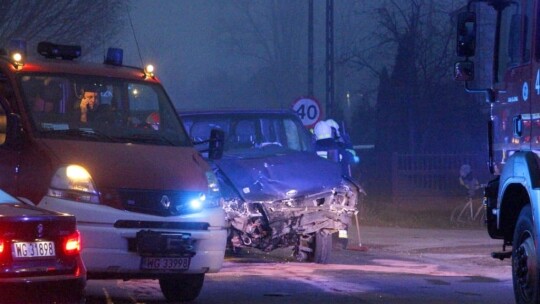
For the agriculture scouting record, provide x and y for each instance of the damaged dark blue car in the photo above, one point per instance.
(277, 192)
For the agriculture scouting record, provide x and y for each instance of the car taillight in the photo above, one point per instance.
(72, 243)
(2, 246)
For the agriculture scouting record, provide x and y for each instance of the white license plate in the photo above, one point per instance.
(165, 263)
(33, 249)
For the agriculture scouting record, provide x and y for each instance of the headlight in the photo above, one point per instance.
(73, 183)
(213, 198)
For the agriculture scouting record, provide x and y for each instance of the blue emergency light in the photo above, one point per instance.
(114, 56)
(51, 50)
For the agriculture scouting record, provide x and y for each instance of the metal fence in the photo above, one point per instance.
(413, 177)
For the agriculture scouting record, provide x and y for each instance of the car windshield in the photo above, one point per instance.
(106, 109)
(251, 135)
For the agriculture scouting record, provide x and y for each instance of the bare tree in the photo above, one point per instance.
(90, 24)
(418, 35)
(273, 34)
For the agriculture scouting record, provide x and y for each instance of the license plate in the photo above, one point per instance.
(33, 249)
(165, 263)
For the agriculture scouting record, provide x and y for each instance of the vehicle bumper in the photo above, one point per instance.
(106, 251)
(57, 280)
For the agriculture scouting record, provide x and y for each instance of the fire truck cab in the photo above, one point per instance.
(513, 196)
(147, 204)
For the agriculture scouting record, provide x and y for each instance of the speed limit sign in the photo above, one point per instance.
(308, 109)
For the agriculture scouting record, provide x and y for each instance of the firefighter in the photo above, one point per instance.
(330, 147)
(343, 139)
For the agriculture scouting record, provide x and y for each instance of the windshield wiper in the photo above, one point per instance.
(89, 133)
(149, 138)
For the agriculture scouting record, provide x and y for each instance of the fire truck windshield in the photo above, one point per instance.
(514, 48)
(101, 109)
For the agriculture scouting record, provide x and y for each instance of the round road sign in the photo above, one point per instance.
(308, 109)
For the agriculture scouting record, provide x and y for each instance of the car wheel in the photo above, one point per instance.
(321, 246)
(525, 274)
(183, 288)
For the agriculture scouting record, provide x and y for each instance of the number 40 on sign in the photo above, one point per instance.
(309, 111)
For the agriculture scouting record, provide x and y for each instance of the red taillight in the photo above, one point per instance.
(72, 243)
(2, 245)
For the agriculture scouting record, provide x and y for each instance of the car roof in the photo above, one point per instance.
(227, 112)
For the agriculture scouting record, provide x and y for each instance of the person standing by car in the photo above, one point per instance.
(329, 146)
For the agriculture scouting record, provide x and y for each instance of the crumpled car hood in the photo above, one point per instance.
(281, 176)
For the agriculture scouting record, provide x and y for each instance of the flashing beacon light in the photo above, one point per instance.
(149, 71)
(17, 52)
(16, 57)
(114, 56)
(17, 60)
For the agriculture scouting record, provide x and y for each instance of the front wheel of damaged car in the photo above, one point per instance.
(183, 288)
(318, 249)
(322, 248)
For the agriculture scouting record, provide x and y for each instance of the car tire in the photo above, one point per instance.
(525, 272)
(321, 246)
(183, 288)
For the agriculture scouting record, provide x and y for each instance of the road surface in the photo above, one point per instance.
(387, 265)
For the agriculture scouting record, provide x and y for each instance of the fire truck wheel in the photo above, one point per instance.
(183, 288)
(525, 274)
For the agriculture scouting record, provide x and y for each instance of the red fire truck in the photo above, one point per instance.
(513, 196)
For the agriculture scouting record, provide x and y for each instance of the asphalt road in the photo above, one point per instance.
(387, 265)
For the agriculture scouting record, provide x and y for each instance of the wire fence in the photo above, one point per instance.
(418, 177)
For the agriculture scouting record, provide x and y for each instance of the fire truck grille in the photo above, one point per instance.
(163, 203)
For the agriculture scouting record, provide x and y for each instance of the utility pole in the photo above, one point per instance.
(329, 58)
(310, 49)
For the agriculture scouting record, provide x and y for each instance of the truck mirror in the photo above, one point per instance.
(466, 34)
(215, 148)
(464, 71)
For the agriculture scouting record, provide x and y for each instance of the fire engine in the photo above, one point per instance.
(512, 198)
(103, 142)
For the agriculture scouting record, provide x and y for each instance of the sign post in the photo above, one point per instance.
(308, 109)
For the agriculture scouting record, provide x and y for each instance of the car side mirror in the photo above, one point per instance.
(466, 34)
(215, 144)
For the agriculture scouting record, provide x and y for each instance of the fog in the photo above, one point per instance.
(183, 39)
(212, 54)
